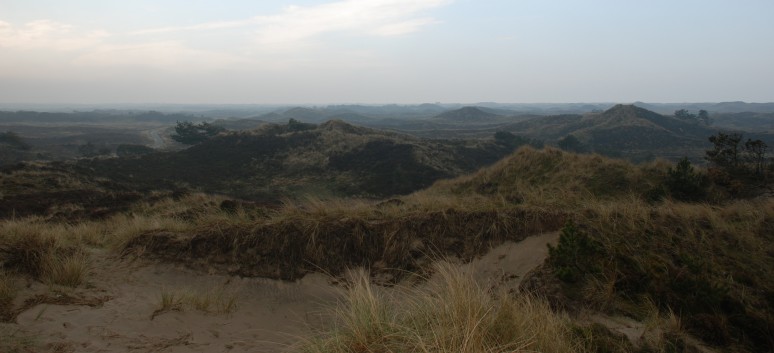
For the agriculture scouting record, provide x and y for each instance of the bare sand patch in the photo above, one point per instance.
(269, 314)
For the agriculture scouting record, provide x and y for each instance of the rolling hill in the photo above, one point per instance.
(314, 115)
(625, 130)
(333, 158)
(467, 115)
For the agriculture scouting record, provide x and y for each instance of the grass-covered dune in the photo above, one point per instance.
(702, 273)
(276, 161)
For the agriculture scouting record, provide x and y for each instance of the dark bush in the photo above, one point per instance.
(685, 184)
(574, 255)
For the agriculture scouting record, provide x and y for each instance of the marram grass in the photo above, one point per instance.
(450, 313)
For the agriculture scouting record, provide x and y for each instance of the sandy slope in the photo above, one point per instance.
(506, 265)
(271, 315)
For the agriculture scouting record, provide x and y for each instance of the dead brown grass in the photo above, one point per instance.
(450, 314)
(554, 179)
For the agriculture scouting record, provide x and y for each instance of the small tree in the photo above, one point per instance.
(189, 133)
(684, 115)
(571, 143)
(684, 183)
(725, 152)
(755, 155)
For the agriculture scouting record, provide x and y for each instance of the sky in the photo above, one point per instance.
(385, 51)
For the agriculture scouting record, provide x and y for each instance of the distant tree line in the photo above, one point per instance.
(189, 133)
(742, 169)
(701, 118)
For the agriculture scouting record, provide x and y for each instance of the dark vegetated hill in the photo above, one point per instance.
(390, 110)
(54, 191)
(314, 115)
(643, 129)
(239, 124)
(624, 129)
(747, 121)
(712, 108)
(303, 114)
(549, 127)
(284, 160)
(60, 142)
(554, 178)
(468, 115)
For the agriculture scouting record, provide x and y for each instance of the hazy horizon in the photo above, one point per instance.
(320, 52)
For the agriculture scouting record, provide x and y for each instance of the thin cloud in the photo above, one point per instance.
(297, 23)
(47, 34)
(197, 27)
(373, 17)
(167, 55)
(269, 40)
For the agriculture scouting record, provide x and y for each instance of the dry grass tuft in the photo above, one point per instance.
(69, 270)
(450, 314)
(25, 245)
(46, 251)
(214, 300)
(124, 228)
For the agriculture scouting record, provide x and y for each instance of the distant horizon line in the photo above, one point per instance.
(363, 103)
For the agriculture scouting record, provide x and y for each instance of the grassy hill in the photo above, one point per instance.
(333, 158)
(746, 121)
(623, 130)
(471, 115)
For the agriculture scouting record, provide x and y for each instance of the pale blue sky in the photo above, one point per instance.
(385, 51)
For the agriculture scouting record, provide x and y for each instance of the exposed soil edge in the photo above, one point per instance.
(289, 249)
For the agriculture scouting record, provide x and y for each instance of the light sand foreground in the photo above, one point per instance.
(212, 312)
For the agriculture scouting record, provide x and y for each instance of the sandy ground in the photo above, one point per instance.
(504, 266)
(271, 316)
